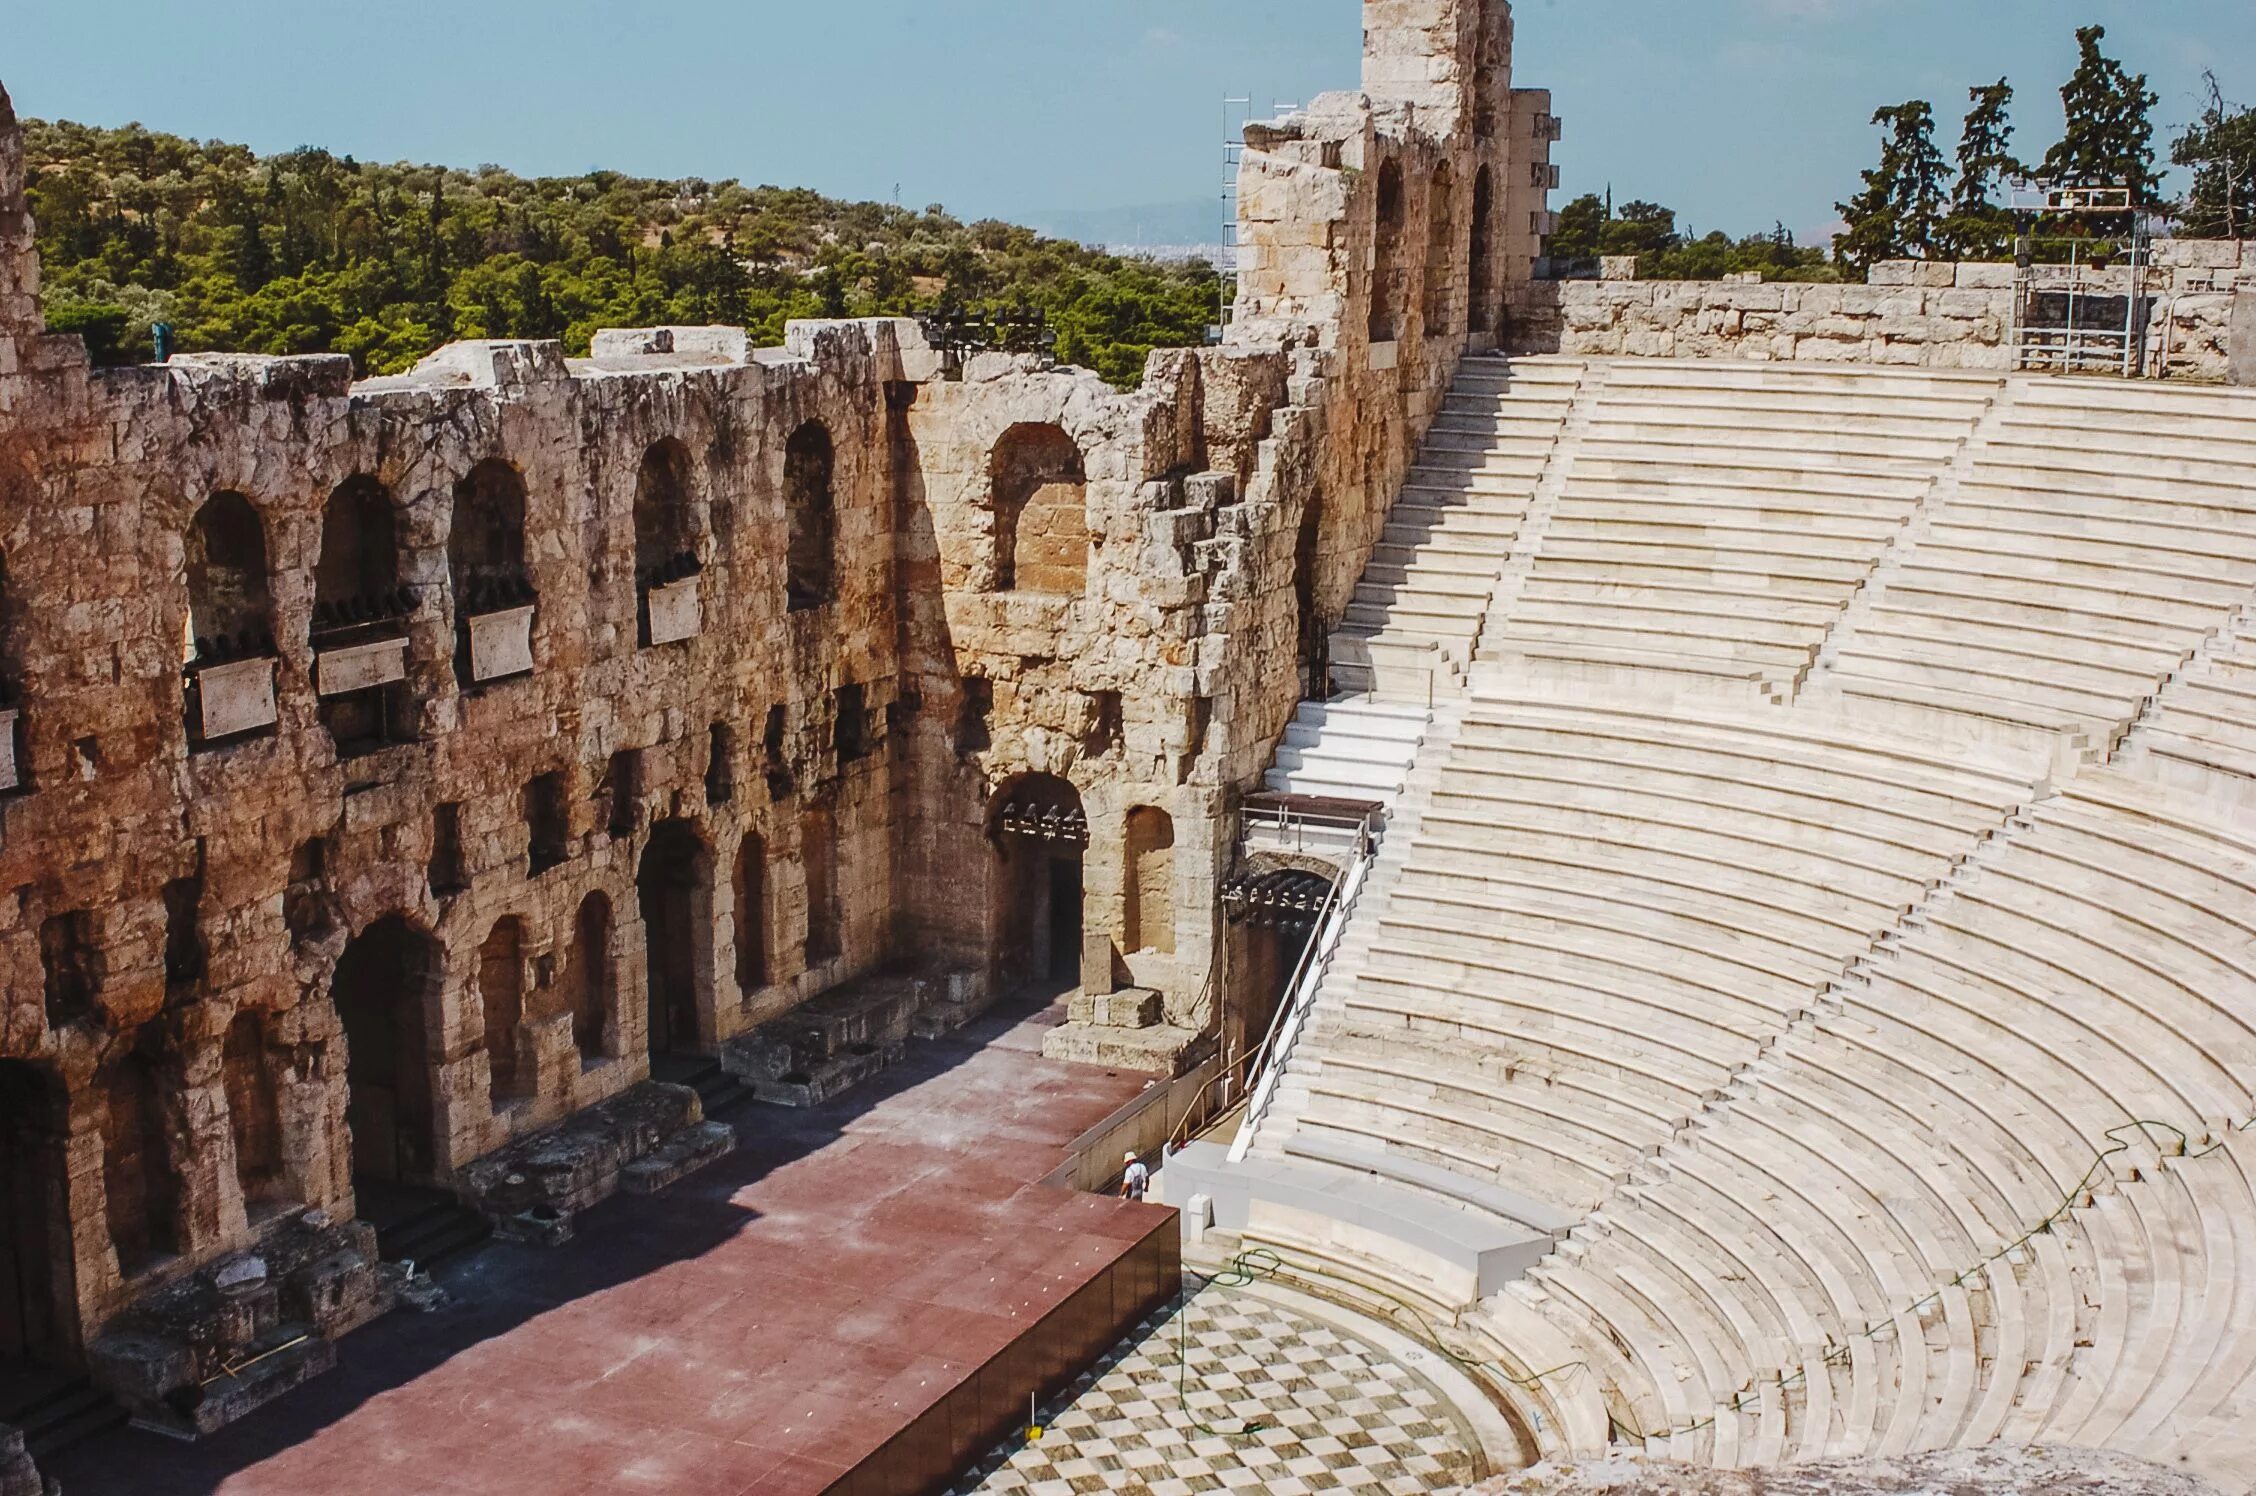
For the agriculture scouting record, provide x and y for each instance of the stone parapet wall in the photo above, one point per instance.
(716, 747)
(1925, 314)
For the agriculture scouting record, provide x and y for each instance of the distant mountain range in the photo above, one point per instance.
(1190, 221)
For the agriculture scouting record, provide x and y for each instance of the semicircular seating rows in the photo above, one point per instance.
(1884, 1020)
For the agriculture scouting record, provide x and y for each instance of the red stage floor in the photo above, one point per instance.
(760, 1329)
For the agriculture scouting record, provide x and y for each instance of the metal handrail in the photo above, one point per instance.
(1300, 993)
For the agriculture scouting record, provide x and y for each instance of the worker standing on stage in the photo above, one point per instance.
(1135, 1179)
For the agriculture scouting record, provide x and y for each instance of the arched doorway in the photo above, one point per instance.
(1272, 914)
(1041, 834)
(1485, 289)
(382, 990)
(672, 887)
(35, 1256)
(140, 1180)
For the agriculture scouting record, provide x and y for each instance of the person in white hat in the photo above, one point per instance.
(1135, 1179)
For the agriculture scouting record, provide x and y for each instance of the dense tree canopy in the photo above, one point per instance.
(2220, 148)
(2109, 141)
(1589, 228)
(1900, 209)
(309, 252)
(1977, 227)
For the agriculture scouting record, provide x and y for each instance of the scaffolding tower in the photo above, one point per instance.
(2086, 313)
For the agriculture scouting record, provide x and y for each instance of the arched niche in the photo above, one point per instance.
(750, 887)
(360, 614)
(810, 507)
(1442, 268)
(1386, 262)
(141, 1182)
(488, 575)
(1148, 919)
(254, 1116)
(1038, 490)
(501, 1007)
(591, 982)
(1485, 290)
(229, 655)
(666, 532)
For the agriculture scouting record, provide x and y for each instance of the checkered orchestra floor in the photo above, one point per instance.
(1335, 1414)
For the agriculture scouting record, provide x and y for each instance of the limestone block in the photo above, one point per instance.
(1985, 277)
(501, 644)
(1617, 268)
(676, 611)
(495, 364)
(2240, 339)
(1893, 273)
(357, 667)
(235, 697)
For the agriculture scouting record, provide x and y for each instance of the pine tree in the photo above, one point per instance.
(2220, 146)
(2110, 136)
(1898, 213)
(1978, 227)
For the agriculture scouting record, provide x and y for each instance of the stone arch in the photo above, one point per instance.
(1485, 289)
(38, 1298)
(359, 607)
(140, 1185)
(1038, 490)
(1268, 925)
(358, 572)
(675, 885)
(811, 517)
(488, 575)
(384, 989)
(1040, 833)
(230, 609)
(1441, 251)
(1386, 259)
(1148, 921)
(751, 890)
(818, 854)
(254, 1117)
(591, 981)
(501, 1005)
(665, 510)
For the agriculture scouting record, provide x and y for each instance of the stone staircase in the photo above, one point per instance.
(1415, 620)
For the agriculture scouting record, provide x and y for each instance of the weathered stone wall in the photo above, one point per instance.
(100, 474)
(730, 684)
(1934, 315)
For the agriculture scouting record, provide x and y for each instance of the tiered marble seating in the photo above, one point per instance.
(1810, 1014)
(1419, 606)
(1837, 1220)
(1717, 518)
(1606, 912)
(2100, 533)
(2203, 732)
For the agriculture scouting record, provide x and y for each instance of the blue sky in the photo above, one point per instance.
(1737, 112)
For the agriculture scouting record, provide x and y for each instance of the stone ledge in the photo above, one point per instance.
(533, 1188)
(194, 1356)
(1162, 1049)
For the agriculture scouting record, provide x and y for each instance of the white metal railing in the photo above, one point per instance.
(1300, 992)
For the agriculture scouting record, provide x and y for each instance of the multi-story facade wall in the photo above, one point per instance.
(400, 766)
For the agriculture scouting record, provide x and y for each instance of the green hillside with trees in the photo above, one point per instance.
(308, 252)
